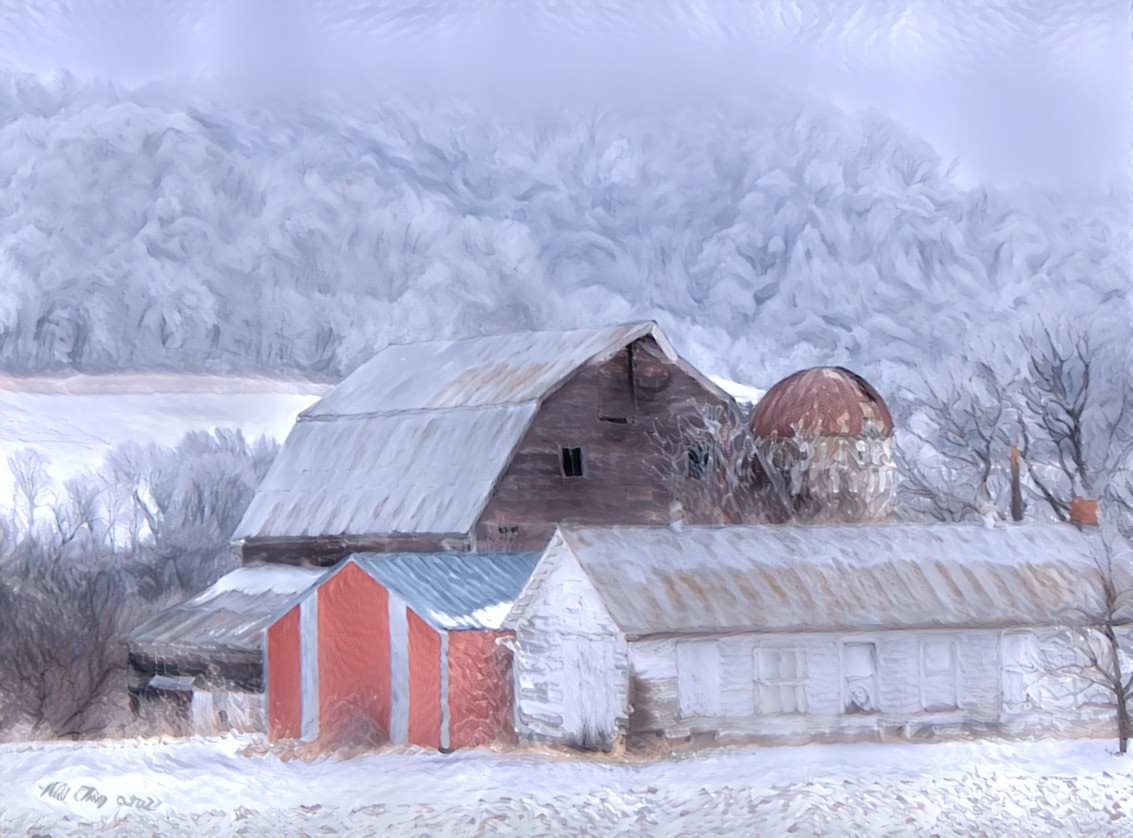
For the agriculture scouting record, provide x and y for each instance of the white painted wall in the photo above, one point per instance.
(763, 684)
(399, 670)
(309, 666)
(570, 662)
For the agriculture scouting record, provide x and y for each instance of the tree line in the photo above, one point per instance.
(83, 563)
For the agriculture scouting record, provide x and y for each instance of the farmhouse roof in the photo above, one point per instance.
(453, 591)
(231, 614)
(846, 576)
(415, 439)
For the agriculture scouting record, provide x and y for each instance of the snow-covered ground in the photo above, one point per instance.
(208, 787)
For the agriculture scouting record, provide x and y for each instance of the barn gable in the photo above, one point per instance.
(407, 452)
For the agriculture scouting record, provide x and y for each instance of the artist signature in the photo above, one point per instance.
(89, 794)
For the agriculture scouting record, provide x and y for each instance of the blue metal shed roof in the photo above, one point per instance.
(453, 591)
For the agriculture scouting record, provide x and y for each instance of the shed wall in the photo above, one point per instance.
(354, 654)
(285, 713)
(480, 689)
(424, 683)
(570, 663)
(798, 687)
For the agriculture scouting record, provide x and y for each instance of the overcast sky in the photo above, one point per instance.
(1028, 92)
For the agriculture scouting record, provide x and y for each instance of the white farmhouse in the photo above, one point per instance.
(802, 633)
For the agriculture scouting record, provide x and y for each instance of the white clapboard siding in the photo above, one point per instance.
(570, 662)
(764, 685)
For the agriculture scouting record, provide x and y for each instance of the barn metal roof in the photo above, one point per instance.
(453, 591)
(799, 578)
(475, 372)
(414, 440)
(231, 614)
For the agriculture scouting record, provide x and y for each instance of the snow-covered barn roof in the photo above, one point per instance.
(414, 440)
(453, 591)
(232, 613)
(656, 580)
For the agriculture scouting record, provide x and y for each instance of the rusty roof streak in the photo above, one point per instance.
(655, 580)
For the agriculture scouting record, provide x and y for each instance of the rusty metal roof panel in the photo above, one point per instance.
(417, 472)
(475, 372)
(231, 614)
(836, 577)
(453, 591)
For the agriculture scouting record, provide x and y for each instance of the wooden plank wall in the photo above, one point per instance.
(424, 683)
(480, 691)
(656, 710)
(624, 481)
(285, 717)
(354, 657)
(561, 608)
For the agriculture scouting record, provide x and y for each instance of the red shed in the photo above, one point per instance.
(402, 646)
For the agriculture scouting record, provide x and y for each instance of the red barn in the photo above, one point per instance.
(399, 647)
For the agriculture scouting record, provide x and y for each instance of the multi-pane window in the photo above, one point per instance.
(780, 680)
(938, 675)
(698, 678)
(1020, 674)
(859, 678)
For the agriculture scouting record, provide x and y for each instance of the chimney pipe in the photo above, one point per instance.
(1016, 490)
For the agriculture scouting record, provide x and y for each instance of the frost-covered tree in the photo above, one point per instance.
(111, 548)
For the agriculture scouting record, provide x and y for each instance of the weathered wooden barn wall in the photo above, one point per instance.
(285, 711)
(479, 689)
(232, 669)
(354, 654)
(571, 666)
(326, 551)
(796, 687)
(610, 411)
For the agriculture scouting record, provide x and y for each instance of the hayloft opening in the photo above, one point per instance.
(697, 462)
(571, 460)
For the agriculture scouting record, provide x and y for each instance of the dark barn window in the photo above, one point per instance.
(572, 462)
(697, 462)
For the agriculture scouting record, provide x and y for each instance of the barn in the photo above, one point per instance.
(381, 647)
(481, 444)
(784, 634)
(398, 647)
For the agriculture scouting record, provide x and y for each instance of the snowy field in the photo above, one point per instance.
(76, 420)
(209, 787)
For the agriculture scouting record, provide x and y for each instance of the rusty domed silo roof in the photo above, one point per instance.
(832, 400)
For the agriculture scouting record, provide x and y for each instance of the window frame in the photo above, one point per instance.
(849, 680)
(797, 684)
(567, 450)
(953, 673)
(1029, 674)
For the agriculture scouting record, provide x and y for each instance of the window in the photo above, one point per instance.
(780, 675)
(571, 462)
(938, 675)
(507, 529)
(1020, 674)
(859, 678)
(697, 462)
(698, 678)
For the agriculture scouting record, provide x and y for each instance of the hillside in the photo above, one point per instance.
(164, 229)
